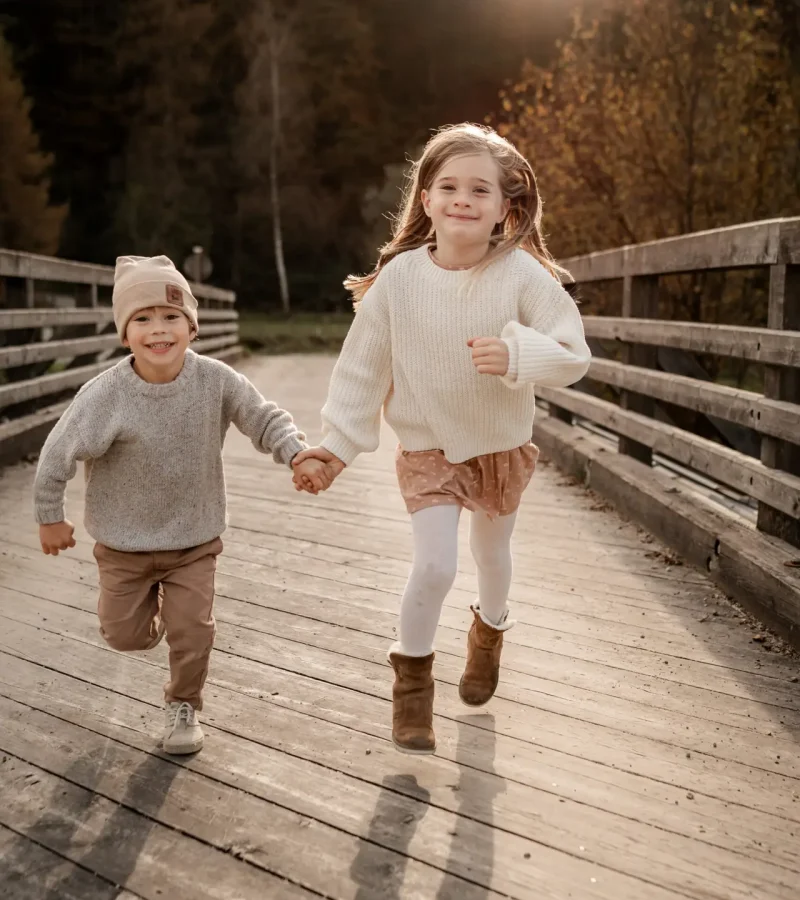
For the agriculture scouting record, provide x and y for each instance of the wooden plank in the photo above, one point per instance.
(19, 319)
(23, 319)
(15, 264)
(723, 464)
(28, 871)
(391, 808)
(514, 808)
(772, 417)
(126, 848)
(638, 648)
(47, 268)
(778, 348)
(269, 836)
(44, 385)
(561, 691)
(747, 564)
(639, 299)
(207, 330)
(216, 343)
(783, 385)
(24, 354)
(738, 246)
(247, 610)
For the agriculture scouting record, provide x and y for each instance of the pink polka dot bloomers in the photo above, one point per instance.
(493, 483)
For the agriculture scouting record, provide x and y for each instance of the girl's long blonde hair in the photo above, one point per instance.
(522, 227)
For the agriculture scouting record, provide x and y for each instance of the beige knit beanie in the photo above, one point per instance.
(144, 281)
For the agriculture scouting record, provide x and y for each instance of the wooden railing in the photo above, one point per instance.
(637, 413)
(57, 332)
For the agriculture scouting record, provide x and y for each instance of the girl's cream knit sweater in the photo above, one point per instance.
(407, 353)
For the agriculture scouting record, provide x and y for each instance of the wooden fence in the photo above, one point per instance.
(755, 564)
(57, 332)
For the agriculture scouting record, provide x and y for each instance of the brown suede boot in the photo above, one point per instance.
(412, 703)
(482, 672)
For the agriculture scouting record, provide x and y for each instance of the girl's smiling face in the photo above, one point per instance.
(465, 201)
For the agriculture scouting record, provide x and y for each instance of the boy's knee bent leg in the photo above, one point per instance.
(119, 638)
(194, 637)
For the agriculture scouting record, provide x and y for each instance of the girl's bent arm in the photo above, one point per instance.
(548, 347)
(360, 382)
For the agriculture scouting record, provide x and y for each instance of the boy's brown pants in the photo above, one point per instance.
(133, 586)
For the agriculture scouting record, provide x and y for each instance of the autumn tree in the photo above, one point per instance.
(28, 221)
(67, 52)
(660, 117)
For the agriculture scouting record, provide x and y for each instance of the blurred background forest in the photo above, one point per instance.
(150, 126)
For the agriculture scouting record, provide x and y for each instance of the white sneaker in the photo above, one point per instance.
(182, 731)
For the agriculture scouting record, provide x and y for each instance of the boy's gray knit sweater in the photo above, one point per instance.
(153, 453)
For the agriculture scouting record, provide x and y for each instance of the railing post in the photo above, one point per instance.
(782, 383)
(639, 301)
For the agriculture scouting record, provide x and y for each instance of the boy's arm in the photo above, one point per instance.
(64, 448)
(270, 428)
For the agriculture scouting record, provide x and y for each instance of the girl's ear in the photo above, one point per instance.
(426, 202)
(506, 206)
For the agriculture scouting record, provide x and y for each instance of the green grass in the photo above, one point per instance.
(301, 333)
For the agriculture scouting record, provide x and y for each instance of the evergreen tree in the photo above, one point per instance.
(28, 221)
(167, 180)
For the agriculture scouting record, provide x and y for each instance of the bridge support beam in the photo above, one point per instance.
(639, 301)
(782, 383)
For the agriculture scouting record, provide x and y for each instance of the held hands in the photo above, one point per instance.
(315, 470)
(57, 536)
(489, 355)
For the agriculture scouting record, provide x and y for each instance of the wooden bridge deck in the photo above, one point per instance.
(641, 745)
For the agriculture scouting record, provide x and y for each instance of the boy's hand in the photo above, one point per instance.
(57, 536)
(489, 355)
(312, 475)
(331, 468)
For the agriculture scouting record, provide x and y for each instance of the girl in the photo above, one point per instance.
(462, 314)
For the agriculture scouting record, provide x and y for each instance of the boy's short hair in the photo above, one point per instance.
(141, 282)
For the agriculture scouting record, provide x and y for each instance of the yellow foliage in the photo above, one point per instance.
(660, 118)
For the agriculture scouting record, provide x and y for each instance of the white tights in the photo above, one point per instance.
(435, 566)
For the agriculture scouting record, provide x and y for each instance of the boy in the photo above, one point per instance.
(150, 432)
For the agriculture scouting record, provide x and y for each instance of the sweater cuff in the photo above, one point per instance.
(512, 372)
(50, 514)
(542, 360)
(290, 448)
(340, 446)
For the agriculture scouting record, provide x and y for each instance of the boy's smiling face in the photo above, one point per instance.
(158, 337)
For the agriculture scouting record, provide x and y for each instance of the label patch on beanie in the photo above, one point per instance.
(174, 295)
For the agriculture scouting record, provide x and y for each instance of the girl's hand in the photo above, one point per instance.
(489, 355)
(322, 463)
(57, 536)
(311, 475)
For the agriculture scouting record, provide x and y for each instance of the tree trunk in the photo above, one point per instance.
(277, 232)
